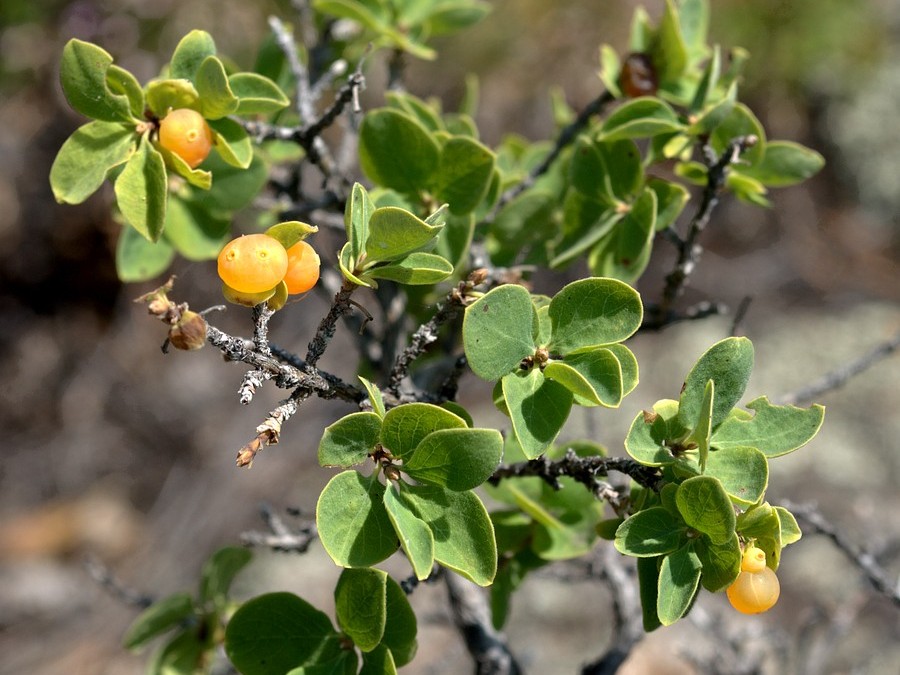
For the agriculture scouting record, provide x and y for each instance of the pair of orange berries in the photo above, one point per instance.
(255, 263)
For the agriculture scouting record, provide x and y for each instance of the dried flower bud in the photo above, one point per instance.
(638, 76)
(189, 333)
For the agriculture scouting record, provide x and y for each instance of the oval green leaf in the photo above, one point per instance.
(406, 426)
(141, 191)
(679, 577)
(274, 633)
(349, 440)
(592, 313)
(397, 152)
(538, 408)
(649, 533)
(498, 331)
(728, 363)
(416, 538)
(82, 73)
(458, 459)
(86, 157)
(360, 600)
(353, 525)
(705, 506)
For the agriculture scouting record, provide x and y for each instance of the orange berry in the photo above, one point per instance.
(303, 268)
(754, 591)
(253, 263)
(185, 133)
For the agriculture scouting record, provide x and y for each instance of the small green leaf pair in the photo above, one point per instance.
(362, 521)
(279, 633)
(197, 622)
(547, 358)
(390, 243)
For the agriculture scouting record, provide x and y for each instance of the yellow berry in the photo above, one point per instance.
(753, 560)
(253, 263)
(303, 268)
(185, 133)
(754, 592)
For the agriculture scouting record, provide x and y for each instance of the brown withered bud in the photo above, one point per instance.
(638, 76)
(189, 333)
(478, 276)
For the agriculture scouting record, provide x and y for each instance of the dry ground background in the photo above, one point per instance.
(114, 451)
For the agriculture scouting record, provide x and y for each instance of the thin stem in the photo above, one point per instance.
(840, 376)
(689, 249)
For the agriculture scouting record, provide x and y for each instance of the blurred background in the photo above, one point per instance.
(115, 452)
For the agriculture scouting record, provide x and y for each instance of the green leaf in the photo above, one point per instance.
(375, 397)
(360, 600)
(274, 633)
(671, 198)
(648, 440)
(141, 191)
(406, 426)
(463, 533)
(353, 525)
(416, 269)
(642, 117)
(610, 67)
(538, 408)
(669, 51)
(498, 331)
(586, 222)
(182, 655)
(464, 174)
(356, 219)
(345, 663)
(86, 158)
(744, 473)
(158, 618)
(701, 433)
(195, 233)
(196, 177)
(400, 628)
(416, 538)
(458, 459)
(740, 122)
(82, 73)
(704, 505)
(120, 81)
(450, 17)
(415, 107)
(289, 232)
(191, 51)
(396, 151)
(629, 365)
(370, 15)
(140, 260)
(713, 115)
(234, 188)
(762, 523)
(721, 562)
(728, 363)
(395, 233)
(347, 267)
(625, 254)
(232, 142)
(610, 172)
(649, 533)
(216, 97)
(786, 163)
(601, 371)
(592, 313)
(349, 440)
(257, 95)
(379, 661)
(774, 429)
(790, 530)
(218, 573)
(648, 586)
(166, 95)
(679, 576)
